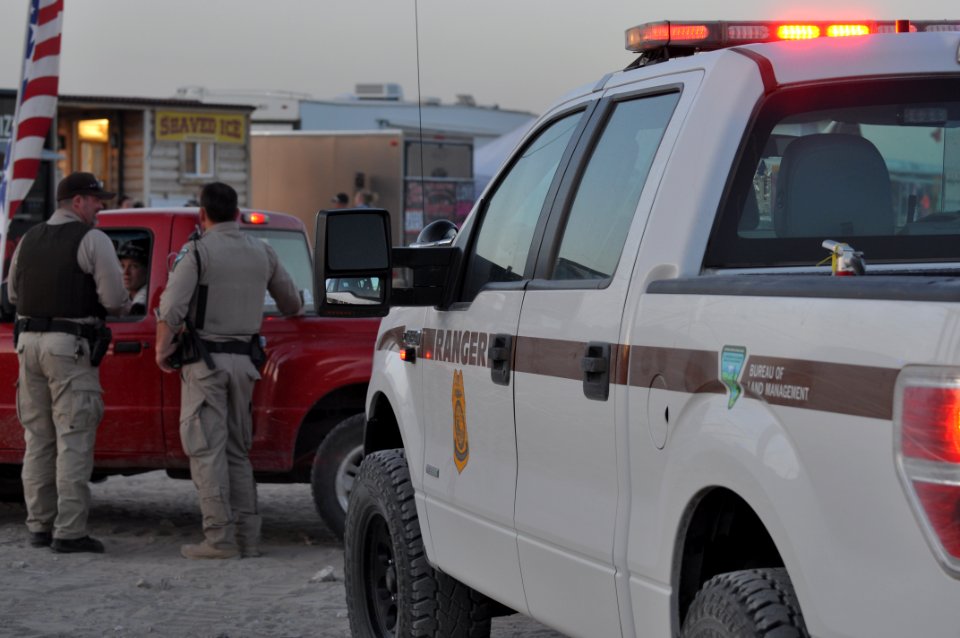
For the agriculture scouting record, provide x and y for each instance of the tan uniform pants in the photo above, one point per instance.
(216, 430)
(60, 405)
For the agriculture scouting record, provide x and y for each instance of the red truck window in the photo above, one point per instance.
(294, 253)
(133, 248)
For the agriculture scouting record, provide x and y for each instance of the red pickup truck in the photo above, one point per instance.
(315, 376)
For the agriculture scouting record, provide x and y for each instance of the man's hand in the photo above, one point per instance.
(165, 346)
(162, 362)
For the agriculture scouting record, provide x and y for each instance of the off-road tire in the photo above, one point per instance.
(334, 471)
(754, 603)
(392, 591)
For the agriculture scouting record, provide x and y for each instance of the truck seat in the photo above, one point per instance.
(833, 186)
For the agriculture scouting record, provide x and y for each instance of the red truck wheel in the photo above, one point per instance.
(335, 468)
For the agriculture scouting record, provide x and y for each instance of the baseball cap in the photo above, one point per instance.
(340, 198)
(81, 184)
(129, 250)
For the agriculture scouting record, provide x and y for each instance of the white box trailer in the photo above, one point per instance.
(298, 172)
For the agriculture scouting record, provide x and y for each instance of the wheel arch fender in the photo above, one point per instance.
(325, 414)
(743, 497)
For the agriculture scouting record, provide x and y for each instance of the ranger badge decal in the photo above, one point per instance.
(461, 444)
(731, 366)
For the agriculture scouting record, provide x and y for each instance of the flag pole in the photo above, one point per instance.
(35, 111)
(7, 159)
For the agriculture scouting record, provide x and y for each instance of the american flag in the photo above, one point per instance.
(36, 106)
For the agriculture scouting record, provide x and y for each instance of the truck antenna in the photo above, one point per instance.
(416, 28)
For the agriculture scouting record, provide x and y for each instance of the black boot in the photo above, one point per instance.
(74, 545)
(40, 539)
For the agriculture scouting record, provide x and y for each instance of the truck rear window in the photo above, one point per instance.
(294, 253)
(872, 164)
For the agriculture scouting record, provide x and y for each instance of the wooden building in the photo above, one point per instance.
(158, 151)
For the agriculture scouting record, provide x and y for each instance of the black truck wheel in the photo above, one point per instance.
(754, 603)
(335, 468)
(392, 591)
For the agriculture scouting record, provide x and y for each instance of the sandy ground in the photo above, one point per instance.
(141, 586)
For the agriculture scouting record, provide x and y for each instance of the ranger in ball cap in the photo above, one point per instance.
(81, 184)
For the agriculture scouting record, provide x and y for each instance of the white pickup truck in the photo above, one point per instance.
(630, 398)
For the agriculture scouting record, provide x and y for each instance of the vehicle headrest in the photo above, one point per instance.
(833, 186)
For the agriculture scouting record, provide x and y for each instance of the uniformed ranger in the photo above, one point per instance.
(64, 278)
(216, 291)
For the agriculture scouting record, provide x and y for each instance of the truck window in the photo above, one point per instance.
(513, 210)
(609, 190)
(133, 251)
(293, 252)
(876, 165)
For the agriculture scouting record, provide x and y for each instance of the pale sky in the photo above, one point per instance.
(519, 54)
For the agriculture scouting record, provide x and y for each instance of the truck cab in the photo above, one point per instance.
(637, 396)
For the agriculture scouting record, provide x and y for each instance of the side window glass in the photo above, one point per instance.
(294, 253)
(511, 216)
(133, 251)
(609, 190)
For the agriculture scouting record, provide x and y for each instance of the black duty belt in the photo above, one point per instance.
(228, 347)
(46, 324)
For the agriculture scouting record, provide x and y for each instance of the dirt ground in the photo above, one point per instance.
(141, 586)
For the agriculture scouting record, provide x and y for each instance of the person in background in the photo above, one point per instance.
(125, 201)
(364, 199)
(230, 272)
(340, 200)
(133, 261)
(64, 278)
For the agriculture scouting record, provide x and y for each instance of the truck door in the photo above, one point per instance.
(569, 363)
(132, 428)
(467, 357)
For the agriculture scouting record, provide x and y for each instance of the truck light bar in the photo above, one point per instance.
(255, 218)
(707, 36)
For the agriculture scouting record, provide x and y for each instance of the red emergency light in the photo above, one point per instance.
(255, 218)
(710, 35)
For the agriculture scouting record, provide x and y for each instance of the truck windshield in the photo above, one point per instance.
(294, 253)
(875, 165)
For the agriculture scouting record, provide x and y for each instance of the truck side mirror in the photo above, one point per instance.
(352, 269)
(353, 265)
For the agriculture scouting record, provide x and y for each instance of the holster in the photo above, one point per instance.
(258, 356)
(186, 351)
(190, 348)
(99, 340)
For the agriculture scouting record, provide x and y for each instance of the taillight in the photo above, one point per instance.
(927, 444)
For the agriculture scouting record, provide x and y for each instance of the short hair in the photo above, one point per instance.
(220, 202)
